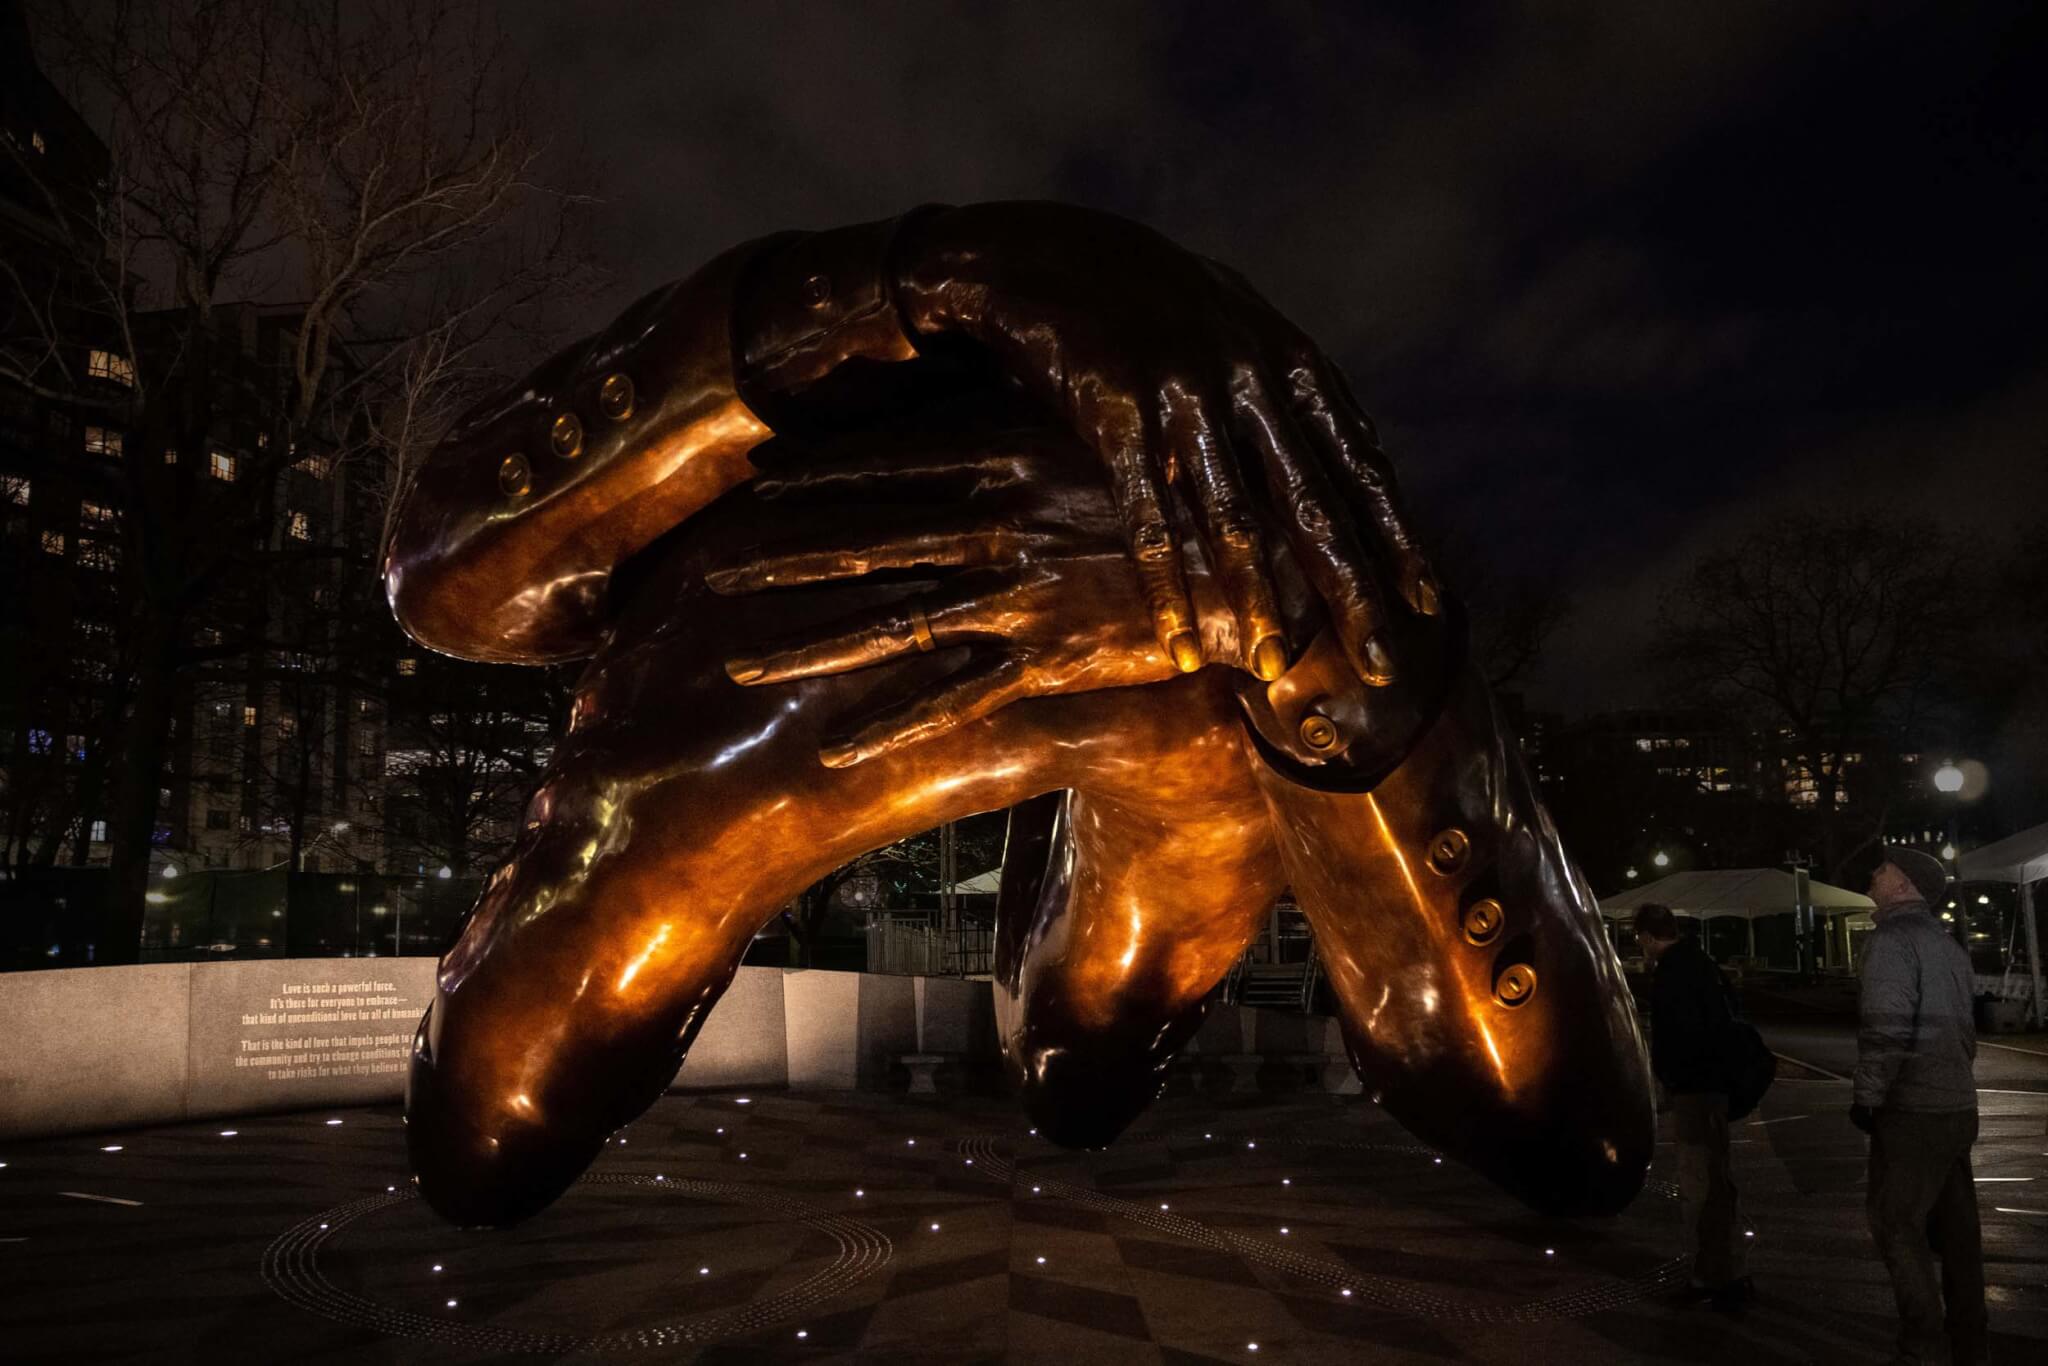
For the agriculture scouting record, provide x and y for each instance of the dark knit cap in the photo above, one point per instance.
(1657, 921)
(1924, 871)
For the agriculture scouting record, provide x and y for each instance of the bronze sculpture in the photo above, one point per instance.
(1005, 628)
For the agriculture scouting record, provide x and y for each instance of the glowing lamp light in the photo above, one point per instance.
(1662, 859)
(170, 870)
(445, 873)
(1948, 778)
(1631, 875)
(1948, 851)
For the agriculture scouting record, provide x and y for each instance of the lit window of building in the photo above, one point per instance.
(39, 740)
(16, 488)
(35, 140)
(170, 455)
(99, 832)
(223, 467)
(99, 514)
(110, 365)
(300, 529)
(248, 716)
(319, 466)
(53, 542)
(102, 441)
(97, 554)
(408, 667)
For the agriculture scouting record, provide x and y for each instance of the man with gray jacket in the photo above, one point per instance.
(1916, 1097)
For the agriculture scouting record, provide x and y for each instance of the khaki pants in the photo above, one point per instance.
(1923, 1205)
(1706, 1187)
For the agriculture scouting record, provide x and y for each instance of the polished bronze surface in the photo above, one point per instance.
(915, 613)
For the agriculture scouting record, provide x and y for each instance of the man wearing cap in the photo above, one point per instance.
(1916, 1097)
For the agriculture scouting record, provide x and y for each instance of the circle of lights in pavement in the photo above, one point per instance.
(803, 1332)
(859, 1194)
(437, 1266)
(703, 1271)
(451, 1304)
(290, 1267)
(111, 1148)
(229, 1133)
(935, 1228)
(1345, 1292)
(1283, 1230)
(332, 1122)
(1041, 1261)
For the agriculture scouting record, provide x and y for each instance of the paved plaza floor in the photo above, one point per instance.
(859, 1227)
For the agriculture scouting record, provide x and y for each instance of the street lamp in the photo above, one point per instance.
(1631, 875)
(1948, 780)
(1661, 859)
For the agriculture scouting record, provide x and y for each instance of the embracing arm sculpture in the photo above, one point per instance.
(602, 508)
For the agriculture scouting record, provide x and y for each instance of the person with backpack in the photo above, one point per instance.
(1697, 1056)
(1916, 1096)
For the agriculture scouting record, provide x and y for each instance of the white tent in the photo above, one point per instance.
(2023, 859)
(986, 883)
(1745, 894)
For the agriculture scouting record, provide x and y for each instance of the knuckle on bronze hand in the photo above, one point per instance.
(1237, 532)
(1152, 542)
(1311, 516)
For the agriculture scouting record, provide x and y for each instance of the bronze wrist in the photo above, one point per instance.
(813, 302)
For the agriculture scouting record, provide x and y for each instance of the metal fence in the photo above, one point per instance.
(916, 943)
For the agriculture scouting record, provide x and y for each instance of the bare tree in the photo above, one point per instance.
(356, 165)
(1831, 631)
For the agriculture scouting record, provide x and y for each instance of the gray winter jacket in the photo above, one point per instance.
(1919, 1035)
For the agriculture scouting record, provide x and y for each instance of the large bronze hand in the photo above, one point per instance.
(1176, 373)
(1035, 595)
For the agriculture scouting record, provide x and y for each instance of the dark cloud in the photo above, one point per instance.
(1617, 278)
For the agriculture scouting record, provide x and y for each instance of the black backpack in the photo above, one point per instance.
(1752, 1067)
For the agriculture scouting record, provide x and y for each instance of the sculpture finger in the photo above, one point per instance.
(954, 544)
(1333, 417)
(980, 688)
(1148, 528)
(918, 625)
(1319, 531)
(1230, 526)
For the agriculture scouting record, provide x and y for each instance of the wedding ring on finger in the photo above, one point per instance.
(921, 628)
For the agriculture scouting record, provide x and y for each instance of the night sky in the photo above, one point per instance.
(1618, 280)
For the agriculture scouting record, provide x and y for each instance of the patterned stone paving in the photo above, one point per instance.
(878, 1229)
